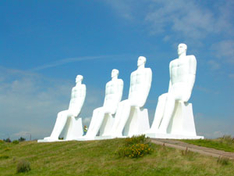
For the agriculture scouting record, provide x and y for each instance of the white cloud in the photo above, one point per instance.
(181, 18)
(224, 50)
(186, 18)
(122, 8)
(67, 60)
(225, 17)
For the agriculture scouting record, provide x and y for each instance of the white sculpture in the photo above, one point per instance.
(68, 121)
(174, 115)
(102, 118)
(131, 118)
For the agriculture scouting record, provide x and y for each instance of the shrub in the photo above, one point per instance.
(223, 161)
(135, 147)
(15, 142)
(135, 140)
(1, 141)
(135, 151)
(7, 140)
(23, 166)
(21, 139)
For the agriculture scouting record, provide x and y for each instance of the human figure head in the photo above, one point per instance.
(141, 61)
(182, 49)
(79, 78)
(114, 73)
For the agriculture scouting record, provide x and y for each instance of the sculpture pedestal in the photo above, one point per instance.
(138, 122)
(181, 126)
(107, 124)
(73, 129)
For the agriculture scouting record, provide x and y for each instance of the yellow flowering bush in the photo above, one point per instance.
(135, 147)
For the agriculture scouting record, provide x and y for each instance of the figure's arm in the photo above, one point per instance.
(120, 90)
(190, 78)
(106, 93)
(147, 86)
(170, 74)
(130, 87)
(192, 72)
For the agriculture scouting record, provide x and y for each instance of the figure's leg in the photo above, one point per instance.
(168, 111)
(59, 124)
(160, 108)
(121, 118)
(96, 122)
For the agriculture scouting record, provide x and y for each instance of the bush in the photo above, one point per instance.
(21, 139)
(23, 166)
(135, 140)
(7, 140)
(1, 141)
(135, 147)
(15, 142)
(135, 151)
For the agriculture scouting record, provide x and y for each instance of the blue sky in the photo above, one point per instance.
(45, 44)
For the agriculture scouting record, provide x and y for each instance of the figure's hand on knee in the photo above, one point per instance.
(71, 114)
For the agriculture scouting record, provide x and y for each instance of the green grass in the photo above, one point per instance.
(225, 143)
(99, 158)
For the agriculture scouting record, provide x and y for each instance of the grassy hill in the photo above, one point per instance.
(100, 158)
(225, 143)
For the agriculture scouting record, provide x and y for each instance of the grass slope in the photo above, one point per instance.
(99, 158)
(225, 143)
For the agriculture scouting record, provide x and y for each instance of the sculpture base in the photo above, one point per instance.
(98, 138)
(72, 130)
(182, 121)
(107, 124)
(49, 140)
(172, 136)
(181, 125)
(138, 122)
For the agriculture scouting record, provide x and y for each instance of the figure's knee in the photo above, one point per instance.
(163, 97)
(62, 114)
(97, 111)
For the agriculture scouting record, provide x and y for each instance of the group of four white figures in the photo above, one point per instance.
(173, 116)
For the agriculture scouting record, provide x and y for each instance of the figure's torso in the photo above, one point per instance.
(182, 77)
(78, 94)
(181, 70)
(113, 94)
(140, 83)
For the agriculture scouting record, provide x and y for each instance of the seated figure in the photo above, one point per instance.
(67, 121)
(102, 119)
(173, 113)
(131, 118)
